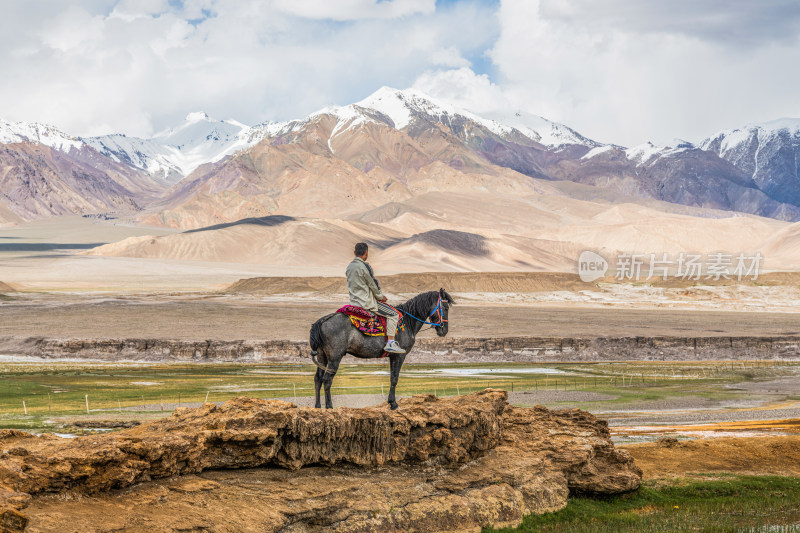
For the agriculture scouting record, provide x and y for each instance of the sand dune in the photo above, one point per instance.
(446, 232)
(290, 243)
(783, 248)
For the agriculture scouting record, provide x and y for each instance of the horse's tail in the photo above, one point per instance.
(319, 365)
(315, 335)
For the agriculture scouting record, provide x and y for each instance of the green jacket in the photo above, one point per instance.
(363, 291)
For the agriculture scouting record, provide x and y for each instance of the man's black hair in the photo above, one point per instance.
(361, 249)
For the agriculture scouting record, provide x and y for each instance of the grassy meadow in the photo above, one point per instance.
(718, 503)
(135, 390)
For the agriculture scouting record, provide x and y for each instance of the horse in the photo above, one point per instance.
(333, 336)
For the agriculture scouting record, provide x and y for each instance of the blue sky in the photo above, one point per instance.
(621, 71)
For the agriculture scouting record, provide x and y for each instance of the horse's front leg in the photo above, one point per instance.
(395, 363)
(327, 378)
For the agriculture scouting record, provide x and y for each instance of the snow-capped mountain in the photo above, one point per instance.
(169, 155)
(16, 132)
(388, 146)
(768, 152)
(175, 153)
(403, 107)
(49, 173)
(396, 144)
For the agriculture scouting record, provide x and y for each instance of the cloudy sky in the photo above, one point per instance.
(622, 71)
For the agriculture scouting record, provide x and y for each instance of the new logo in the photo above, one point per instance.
(591, 266)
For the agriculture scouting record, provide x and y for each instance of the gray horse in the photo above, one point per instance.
(333, 336)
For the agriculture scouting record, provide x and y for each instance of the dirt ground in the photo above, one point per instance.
(231, 318)
(779, 455)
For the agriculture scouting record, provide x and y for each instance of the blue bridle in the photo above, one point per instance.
(437, 309)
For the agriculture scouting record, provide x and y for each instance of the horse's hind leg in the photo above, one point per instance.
(327, 378)
(318, 385)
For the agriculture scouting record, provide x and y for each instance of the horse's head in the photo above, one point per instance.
(445, 301)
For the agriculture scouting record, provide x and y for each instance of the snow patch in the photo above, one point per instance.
(389, 102)
(597, 151)
(197, 116)
(791, 124)
(643, 152)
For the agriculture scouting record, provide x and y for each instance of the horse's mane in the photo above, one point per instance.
(422, 304)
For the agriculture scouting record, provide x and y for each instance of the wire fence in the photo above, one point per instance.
(144, 399)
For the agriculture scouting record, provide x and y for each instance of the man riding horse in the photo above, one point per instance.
(335, 335)
(365, 292)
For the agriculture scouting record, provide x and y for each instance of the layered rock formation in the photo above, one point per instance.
(426, 350)
(447, 465)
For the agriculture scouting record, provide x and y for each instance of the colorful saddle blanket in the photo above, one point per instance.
(366, 322)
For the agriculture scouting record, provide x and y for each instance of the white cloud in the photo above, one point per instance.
(474, 92)
(621, 71)
(626, 71)
(139, 67)
(133, 9)
(355, 9)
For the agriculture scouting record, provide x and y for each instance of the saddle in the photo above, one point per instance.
(367, 322)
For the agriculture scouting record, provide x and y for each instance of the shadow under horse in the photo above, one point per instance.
(334, 335)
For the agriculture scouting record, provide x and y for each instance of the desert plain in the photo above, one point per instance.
(679, 412)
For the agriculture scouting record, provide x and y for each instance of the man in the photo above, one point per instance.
(365, 292)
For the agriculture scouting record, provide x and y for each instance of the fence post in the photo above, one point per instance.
(86, 397)
(49, 405)
(24, 407)
(162, 401)
(207, 393)
(458, 391)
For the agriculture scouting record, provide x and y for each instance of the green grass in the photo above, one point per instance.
(59, 389)
(721, 503)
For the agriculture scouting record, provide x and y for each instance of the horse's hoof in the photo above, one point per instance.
(393, 405)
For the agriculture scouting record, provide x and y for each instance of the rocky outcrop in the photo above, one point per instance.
(426, 350)
(433, 465)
